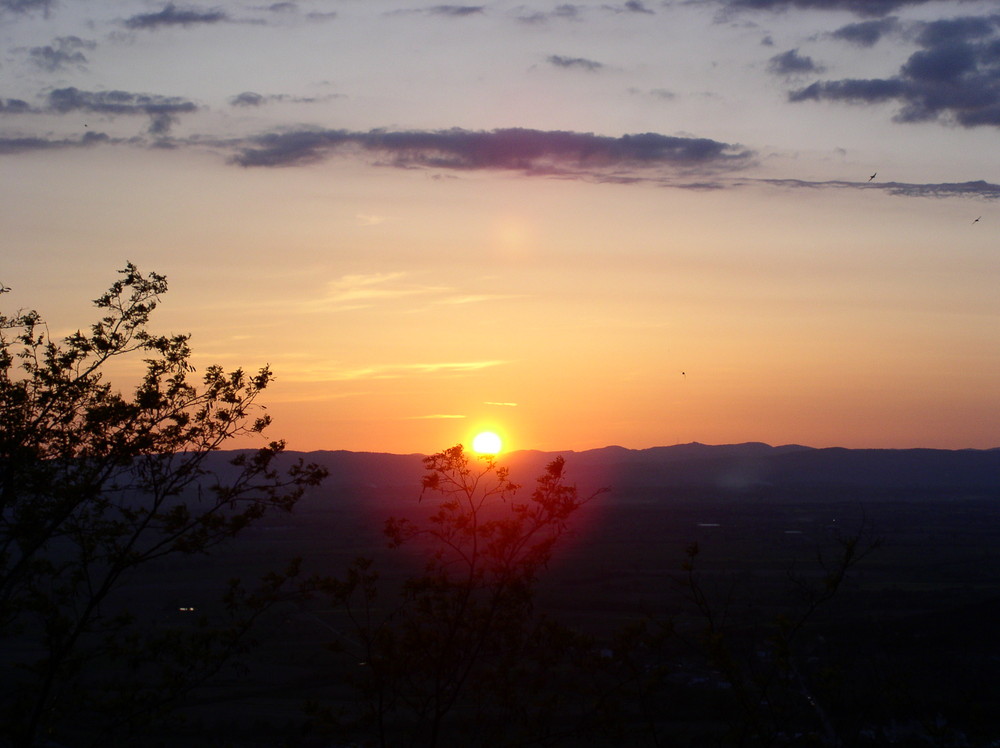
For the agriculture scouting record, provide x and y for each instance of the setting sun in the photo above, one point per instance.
(487, 443)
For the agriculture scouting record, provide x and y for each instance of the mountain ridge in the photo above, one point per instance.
(733, 467)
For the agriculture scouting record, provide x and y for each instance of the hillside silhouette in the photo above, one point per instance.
(730, 467)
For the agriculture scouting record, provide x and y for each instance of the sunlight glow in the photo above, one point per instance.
(487, 443)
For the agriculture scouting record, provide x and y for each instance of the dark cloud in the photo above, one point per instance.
(533, 17)
(955, 76)
(574, 62)
(647, 158)
(26, 6)
(254, 99)
(945, 63)
(455, 10)
(962, 29)
(449, 11)
(792, 63)
(117, 102)
(14, 106)
(977, 189)
(565, 11)
(866, 33)
(852, 90)
(291, 148)
(631, 6)
(172, 16)
(661, 94)
(527, 151)
(247, 98)
(162, 110)
(65, 51)
(322, 16)
(874, 8)
(160, 123)
(9, 146)
(635, 6)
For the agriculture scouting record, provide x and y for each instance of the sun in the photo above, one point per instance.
(487, 443)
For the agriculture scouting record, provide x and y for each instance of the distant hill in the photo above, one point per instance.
(731, 467)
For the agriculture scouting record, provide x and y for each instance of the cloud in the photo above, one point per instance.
(662, 94)
(117, 102)
(368, 290)
(635, 6)
(254, 99)
(398, 371)
(369, 219)
(162, 110)
(360, 291)
(977, 189)
(942, 64)
(354, 287)
(15, 106)
(853, 90)
(951, 30)
(532, 17)
(503, 405)
(475, 298)
(523, 150)
(247, 98)
(866, 33)
(791, 63)
(566, 11)
(858, 7)
(172, 16)
(434, 416)
(455, 11)
(631, 6)
(26, 6)
(574, 62)
(461, 366)
(64, 52)
(954, 76)
(10, 146)
(450, 11)
(290, 148)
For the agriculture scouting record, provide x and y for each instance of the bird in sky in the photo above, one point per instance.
(872, 176)
(977, 220)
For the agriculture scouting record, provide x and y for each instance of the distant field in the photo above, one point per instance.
(927, 600)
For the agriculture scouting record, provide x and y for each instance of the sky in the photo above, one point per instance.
(577, 224)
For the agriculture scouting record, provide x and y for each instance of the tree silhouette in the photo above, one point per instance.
(463, 647)
(95, 485)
